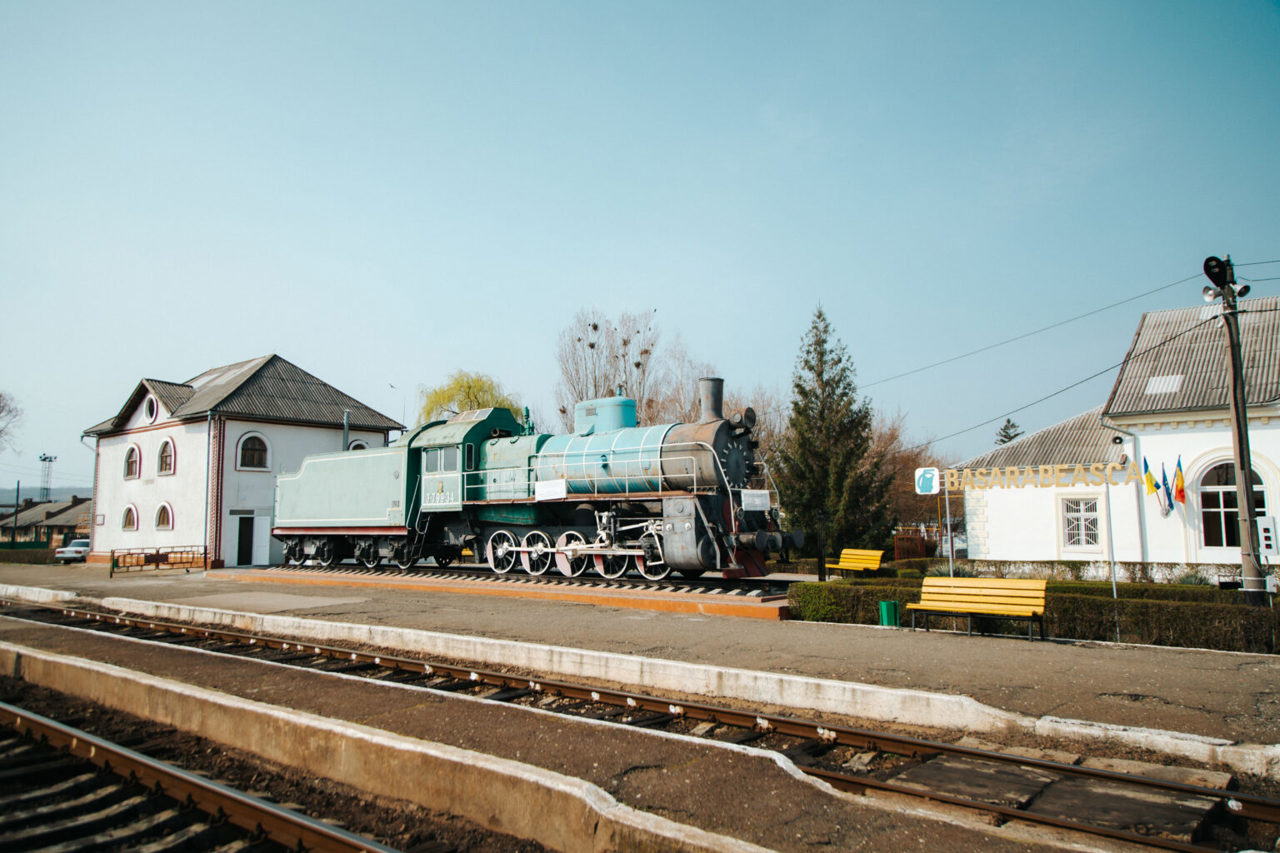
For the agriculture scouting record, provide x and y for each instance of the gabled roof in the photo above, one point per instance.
(1081, 440)
(60, 513)
(1179, 362)
(269, 388)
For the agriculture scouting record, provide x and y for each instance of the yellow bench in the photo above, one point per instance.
(854, 560)
(1011, 598)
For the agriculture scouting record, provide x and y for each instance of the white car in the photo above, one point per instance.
(75, 552)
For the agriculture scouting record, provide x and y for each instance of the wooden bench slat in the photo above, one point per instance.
(857, 560)
(1019, 598)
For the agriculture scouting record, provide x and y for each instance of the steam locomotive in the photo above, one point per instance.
(610, 496)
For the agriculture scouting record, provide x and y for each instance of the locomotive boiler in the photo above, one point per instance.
(611, 496)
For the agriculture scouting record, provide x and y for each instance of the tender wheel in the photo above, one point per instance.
(326, 554)
(367, 555)
(612, 565)
(293, 552)
(502, 553)
(651, 565)
(571, 567)
(403, 556)
(539, 557)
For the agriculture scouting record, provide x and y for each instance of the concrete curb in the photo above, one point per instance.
(558, 811)
(912, 707)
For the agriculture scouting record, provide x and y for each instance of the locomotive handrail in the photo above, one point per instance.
(628, 481)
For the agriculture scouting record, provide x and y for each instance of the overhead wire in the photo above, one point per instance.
(1066, 388)
(1031, 333)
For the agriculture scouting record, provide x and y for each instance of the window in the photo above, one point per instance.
(253, 453)
(431, 461)
(164, 464)
(1220, 506)
(448, 459)
(164, 517)
(1080, 522)
(150, 409)
(357, 444)
(471, 457)
(130, 519)
(132, 462)
(441, 459)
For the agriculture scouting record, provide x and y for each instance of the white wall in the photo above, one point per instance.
(1027, 523)
(184, 490)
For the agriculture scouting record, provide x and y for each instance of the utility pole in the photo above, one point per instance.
(1223, 275)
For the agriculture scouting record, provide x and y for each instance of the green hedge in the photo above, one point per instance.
(1191, 617)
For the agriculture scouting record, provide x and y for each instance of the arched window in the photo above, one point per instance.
(164, 517)
(132, 462)
(164, 464)
(130, 519)
(357, 444)
(253, 453)
(1220, 505)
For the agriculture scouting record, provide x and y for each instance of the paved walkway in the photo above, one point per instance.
(1216, 694)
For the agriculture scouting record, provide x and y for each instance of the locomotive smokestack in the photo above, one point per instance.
(711, 390)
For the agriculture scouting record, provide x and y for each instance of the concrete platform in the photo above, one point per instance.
(709, 603)
(1193, 700)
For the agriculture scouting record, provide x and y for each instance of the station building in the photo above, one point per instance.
(1076, 494)
(193, 465)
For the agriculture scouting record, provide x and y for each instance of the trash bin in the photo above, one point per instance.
(889, 613)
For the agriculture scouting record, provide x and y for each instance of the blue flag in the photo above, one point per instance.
(1164, 484)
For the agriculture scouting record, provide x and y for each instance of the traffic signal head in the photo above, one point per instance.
(1217, 271)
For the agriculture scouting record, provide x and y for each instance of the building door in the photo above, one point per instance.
(244, 547)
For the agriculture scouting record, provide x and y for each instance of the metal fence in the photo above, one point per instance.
(186, 557)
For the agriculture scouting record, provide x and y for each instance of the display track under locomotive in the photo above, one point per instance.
(611, 496)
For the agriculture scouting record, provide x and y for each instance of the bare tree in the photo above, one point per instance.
(10, 415)
(674, 384)
(599, 357)
(901, 459)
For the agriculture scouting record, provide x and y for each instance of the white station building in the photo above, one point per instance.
(1075, 493)
(193, 465)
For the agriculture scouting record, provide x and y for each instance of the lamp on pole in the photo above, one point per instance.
(1222, 274)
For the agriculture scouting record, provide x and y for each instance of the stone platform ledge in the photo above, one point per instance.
(507, 796)
(666, 602)
(801, 693)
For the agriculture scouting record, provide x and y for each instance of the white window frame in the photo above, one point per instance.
(173, 458)
(124, 519)
(164, 506)
(1079, 518)
(240, 452)
(137, 451)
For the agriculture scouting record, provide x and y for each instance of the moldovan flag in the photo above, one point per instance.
(1179, 485)
(1168, 493)
(1148, 478)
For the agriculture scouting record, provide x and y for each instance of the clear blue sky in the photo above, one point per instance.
(386, 192)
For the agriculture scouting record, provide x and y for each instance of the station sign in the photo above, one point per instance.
(1042, 476)
(927, 481)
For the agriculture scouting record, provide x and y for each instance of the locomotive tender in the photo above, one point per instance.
(610, 496)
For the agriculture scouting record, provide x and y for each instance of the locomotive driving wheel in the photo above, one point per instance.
(539, 557)
(568, 566)
(612, 566)
(502, 552)
(651, 565)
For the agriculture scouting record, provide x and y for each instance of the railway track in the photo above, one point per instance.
(64, 788)
(1002, 785)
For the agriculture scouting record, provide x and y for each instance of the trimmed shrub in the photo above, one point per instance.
(27, 556)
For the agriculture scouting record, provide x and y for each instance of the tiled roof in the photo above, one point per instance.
(269, 387)
(1081, 440)
(1178, 361)
(50, 512)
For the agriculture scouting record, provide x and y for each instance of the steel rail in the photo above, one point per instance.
(1248, 806)
(246, 811)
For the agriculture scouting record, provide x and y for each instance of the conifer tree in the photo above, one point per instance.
(1008, 431)
(832, 485)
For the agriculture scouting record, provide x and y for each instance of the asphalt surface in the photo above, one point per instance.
(1217, 694)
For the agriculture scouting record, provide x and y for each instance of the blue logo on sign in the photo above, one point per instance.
(924, 481)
